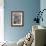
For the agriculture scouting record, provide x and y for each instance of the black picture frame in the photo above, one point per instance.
(17, 18)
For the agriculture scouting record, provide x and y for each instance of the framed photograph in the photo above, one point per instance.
(17, 18)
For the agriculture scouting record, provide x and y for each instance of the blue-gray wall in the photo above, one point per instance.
(30, 7)
(43, 6)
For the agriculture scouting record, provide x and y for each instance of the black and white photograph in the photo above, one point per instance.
(17, 18)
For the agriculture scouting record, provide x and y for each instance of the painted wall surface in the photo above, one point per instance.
(43, 6)
(1, 21)
(29, 7)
